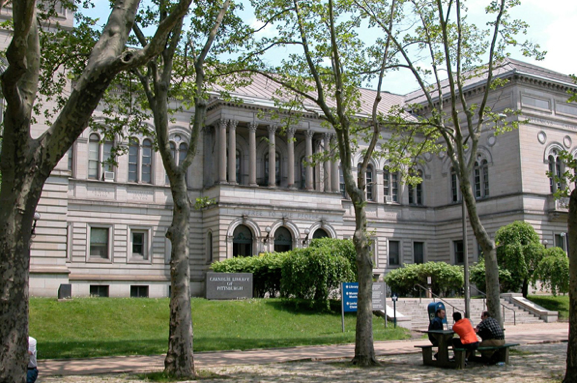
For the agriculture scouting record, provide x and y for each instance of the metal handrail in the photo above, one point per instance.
(441, 299)
(502, 305)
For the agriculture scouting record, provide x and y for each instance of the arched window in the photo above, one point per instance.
(277, 168)
(556, 170)
(320, 233)
(369, 181)
(178, 154)
(390, 185)
(455, 192)
(481, 174)
(242, 242)
(283, 240)
(99, 155)
(416, 191)
(133, 160)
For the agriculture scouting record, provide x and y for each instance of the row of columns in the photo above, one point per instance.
(331, 170)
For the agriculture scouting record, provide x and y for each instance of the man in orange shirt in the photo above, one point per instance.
(467, 335)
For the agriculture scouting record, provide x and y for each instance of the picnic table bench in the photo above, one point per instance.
(502, 353)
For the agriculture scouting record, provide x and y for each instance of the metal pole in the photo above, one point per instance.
(466, 261)
(343, 306)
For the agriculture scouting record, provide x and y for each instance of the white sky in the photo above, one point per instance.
(552, 26)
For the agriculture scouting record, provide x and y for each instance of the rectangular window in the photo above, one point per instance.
(99, 242)
(418, 252)
(133, 161)
(394, 247)
(395, 186)
(560, 241)
(139, 291)
(99, 291)
(139, 244)
(459, 251)
(93, 157)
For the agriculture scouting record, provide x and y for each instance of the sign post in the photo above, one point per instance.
(350, 294)
(394, 298)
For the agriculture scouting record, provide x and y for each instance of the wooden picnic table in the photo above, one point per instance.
(443, 338)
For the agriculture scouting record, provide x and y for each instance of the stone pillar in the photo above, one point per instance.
(271, 156)
(291, 157)
(309, 153)
(252, 154)
(232, 152)
(327, 164)
(222, 151)
(335, 178)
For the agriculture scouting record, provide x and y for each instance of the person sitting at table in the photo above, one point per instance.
(490, 332)
(436, 324)
(467, 335)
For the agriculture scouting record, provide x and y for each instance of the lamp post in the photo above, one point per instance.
(36, 218)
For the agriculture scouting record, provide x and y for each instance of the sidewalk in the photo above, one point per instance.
(523, 334)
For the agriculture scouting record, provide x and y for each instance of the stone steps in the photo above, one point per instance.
(416, 309)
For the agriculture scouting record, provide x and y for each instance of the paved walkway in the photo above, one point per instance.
(524, 334)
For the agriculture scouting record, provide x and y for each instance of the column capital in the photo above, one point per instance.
(252, 126)
(309, 133)
(222, 123)
(232, 124)
(272, 128)
(291, 132)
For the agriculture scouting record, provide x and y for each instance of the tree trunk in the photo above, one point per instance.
(179, 360)
(364, 346)
(489, 251)
(571, 372)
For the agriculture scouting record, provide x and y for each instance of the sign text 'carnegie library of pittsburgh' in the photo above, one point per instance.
(228, 285)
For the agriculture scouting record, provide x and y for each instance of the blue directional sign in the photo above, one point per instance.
(350, 296)
(394, 297)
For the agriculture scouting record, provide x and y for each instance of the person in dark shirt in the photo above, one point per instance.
(490, 332)
(436, 324)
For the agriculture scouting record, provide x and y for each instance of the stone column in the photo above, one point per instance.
(271, 156)
(232, 152)
(222, 151)
(252, 154)
(291, 157)
(318, 184)
(335, 178)
(327, 163)
(309, 153)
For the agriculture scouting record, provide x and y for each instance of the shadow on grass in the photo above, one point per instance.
(305, 306)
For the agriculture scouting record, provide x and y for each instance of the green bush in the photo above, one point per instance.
(265, 268)
(342, 247)
(444, 277)
(477, 277)
(313, 272)
(553, 271)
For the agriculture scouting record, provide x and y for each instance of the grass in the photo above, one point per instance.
(559, 303)
(90, 327)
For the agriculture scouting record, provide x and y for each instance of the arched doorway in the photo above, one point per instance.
(283, 240)
(320, 233)
(242, 242)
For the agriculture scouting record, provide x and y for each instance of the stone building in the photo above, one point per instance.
(102, 228)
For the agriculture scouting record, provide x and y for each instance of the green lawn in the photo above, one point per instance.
(559, 303)
(89, 327)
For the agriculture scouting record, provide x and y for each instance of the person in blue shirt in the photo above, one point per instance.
(436, 324)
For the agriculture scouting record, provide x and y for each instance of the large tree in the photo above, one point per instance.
(180, 73)
(445, 53)
(322, 75)
(26, 162)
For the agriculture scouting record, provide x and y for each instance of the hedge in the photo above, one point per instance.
(445, 278)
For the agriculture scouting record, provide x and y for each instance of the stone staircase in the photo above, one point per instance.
(416, 310)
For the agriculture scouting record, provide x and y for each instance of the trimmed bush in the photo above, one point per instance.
(312, 273)
(477, 277)
(553, 271)
(445, 278)
(341, 247)
(265, 268)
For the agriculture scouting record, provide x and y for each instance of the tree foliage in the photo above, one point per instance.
(477, 275)
(553, 271)
(445, 278)
(519, 250)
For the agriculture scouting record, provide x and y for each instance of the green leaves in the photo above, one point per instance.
(553, 271)
(445, 278)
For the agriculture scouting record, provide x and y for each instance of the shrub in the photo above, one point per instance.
(444, 277)
(265, 268)
(553, 271)
(477, 276)
(313, 272)
(341, 247)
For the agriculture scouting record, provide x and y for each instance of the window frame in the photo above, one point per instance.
(398, 261)
(415, 253)
(455, 253)
(96, 259)
(146, 257)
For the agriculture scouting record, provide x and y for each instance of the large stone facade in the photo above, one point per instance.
(102, 228)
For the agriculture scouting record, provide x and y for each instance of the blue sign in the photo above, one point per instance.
(394, 297)
(350, 296)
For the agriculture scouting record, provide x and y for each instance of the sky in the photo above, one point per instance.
(552, 26)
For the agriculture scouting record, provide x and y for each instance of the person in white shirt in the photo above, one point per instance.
(32, 362)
